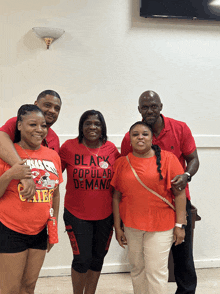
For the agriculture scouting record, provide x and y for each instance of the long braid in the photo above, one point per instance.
(157, 150)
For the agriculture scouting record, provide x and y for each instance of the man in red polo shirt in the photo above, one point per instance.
(50, 103)
(176, 137)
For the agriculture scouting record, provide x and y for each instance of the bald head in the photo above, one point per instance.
(149, 95)
(150, 107)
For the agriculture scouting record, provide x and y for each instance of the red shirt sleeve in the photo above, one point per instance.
(62, 154)
(9, 127)
(174, 168)
(125, 145)
(116, 153)
(116, 173)
(59, 168)
(188, 143)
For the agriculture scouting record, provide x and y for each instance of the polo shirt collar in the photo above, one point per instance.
(166, 128)
(166, 123)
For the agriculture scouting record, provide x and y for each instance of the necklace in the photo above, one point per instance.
(96, 154)
(102, 164)
(26, 151)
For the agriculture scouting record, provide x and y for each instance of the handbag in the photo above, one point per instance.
(52, 229)
(150, 190)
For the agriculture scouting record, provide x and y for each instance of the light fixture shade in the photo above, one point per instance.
(48, 34)
(43, 32)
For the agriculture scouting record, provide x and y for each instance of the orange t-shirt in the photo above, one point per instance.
(139, 208)
(30, 217)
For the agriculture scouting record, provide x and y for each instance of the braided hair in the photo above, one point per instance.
(22, 111)
(156, 148)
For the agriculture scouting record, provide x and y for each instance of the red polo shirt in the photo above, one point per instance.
(51, 141)
(175, 137)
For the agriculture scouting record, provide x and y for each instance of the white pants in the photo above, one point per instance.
(148, 255)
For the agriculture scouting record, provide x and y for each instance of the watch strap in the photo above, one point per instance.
(189, 177)
(181, 226)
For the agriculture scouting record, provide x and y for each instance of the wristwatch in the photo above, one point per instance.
(189, 177)
(181, 226)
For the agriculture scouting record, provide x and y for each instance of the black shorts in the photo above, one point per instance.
(14, 242)
(90, 241)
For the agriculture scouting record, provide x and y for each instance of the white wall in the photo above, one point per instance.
(107, 57)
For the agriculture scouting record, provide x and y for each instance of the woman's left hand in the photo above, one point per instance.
(178, 235)
(120, 237)
(49, 246)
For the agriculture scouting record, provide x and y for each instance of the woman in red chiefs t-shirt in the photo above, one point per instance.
(150, 224)
(88, 217)
(23, 233)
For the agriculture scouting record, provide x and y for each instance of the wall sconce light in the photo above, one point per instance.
(48, 34)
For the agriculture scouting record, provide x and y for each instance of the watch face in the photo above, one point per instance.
(189, 179)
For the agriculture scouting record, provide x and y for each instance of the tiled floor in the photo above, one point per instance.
(208, 283)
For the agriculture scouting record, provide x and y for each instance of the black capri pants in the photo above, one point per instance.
(90, 241)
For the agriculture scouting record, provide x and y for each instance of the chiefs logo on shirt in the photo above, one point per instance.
(46, 182)
(42, 179)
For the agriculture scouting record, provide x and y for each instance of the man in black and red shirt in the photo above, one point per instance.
(49, 102)
(176, 137)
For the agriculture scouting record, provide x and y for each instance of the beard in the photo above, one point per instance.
(151, 121)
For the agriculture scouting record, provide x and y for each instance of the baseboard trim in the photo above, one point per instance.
(65, 270)
(209, 263)
(117, 268)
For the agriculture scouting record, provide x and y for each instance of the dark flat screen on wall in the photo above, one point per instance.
(189, 9)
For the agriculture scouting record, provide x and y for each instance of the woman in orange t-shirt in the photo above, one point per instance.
(23, 232)
(150, 224)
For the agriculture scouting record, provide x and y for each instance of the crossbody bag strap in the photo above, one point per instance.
(150, 190)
